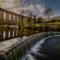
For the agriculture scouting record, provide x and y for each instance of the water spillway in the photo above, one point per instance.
(25, 47)
(46, 49)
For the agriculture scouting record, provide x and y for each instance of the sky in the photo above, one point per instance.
(36, 7)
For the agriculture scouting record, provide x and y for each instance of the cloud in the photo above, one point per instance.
(36, 9)
(9, 4)
(23, 7)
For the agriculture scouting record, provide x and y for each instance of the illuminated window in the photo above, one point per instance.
(9, 16)
(4, 15)
(4, 34)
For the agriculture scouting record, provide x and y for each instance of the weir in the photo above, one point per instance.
(46, 49)
(17, 50)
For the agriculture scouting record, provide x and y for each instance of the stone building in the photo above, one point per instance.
(8, 24)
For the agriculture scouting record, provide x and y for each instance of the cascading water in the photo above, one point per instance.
(47, 48)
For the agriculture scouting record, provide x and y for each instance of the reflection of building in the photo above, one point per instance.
(8, 24)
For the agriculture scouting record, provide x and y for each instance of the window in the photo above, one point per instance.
(4, 15)
(4, 34)
(9, 16)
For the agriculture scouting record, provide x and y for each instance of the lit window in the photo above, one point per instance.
(4, 35)
(9, 16)
(4, 15)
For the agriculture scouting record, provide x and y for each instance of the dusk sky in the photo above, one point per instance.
(37, 7)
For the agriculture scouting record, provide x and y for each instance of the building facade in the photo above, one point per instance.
(8, 24)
